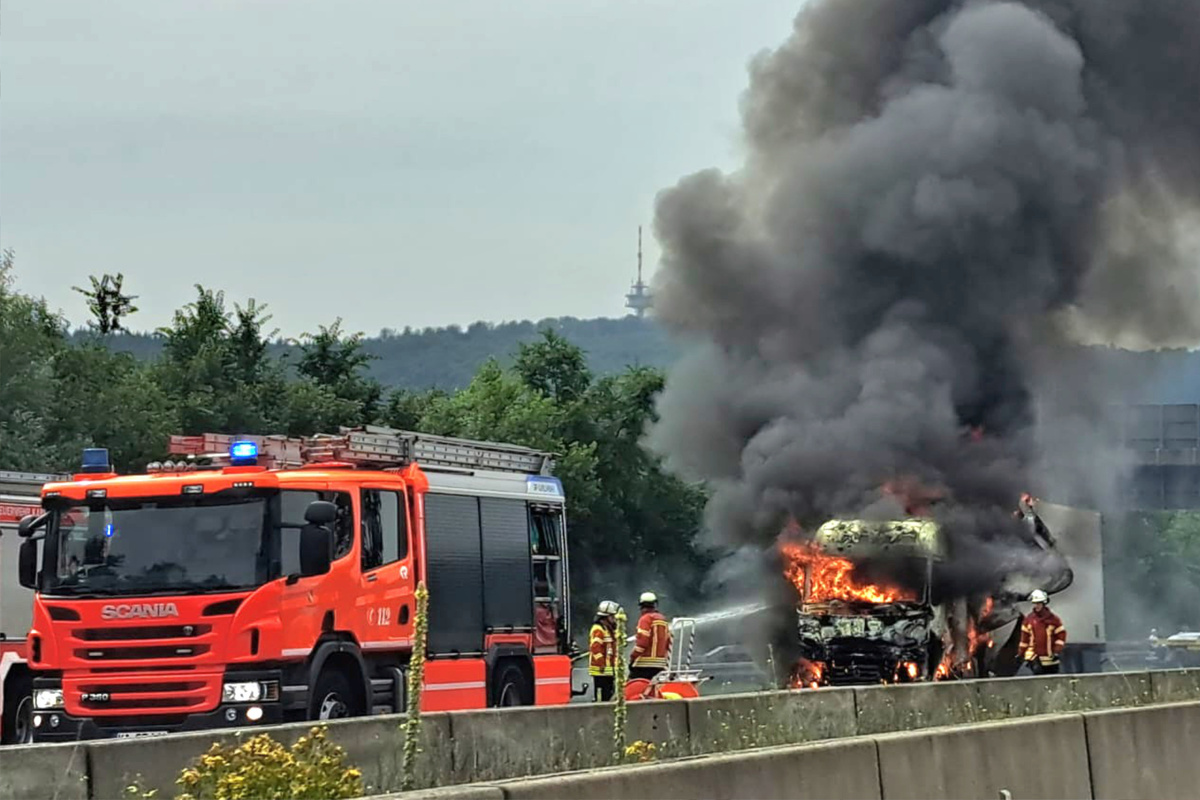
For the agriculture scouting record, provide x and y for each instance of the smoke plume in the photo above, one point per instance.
(939, 200)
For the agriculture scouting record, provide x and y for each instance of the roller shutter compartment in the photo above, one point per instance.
(453, 559)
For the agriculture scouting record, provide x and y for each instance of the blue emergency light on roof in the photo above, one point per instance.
(243, 453)
(95, 459)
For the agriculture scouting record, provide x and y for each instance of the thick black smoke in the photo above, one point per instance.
(939, 199)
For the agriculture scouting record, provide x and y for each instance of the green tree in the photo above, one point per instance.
(554, 367)
(337, 361)
(309, 408)
(405, 409)
(30, 337)
(106, 399)
(628, 519)
(1152, 573)
(217, 368)
(108, 302)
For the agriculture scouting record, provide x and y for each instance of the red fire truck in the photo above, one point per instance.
(255, 580)
(19, 497)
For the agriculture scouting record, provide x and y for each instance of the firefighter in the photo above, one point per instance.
(602, 650)
(649, 656)
(1043, 636)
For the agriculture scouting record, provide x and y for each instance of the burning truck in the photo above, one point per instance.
(876, 604)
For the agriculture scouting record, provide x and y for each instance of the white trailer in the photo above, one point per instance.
(1078, 535)
(20, 496)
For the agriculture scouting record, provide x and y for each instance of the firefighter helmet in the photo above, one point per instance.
(607, 608)
(648, 599)
(1038, 596)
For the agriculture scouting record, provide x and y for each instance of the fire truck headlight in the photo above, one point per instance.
(249, 692)
(48, 698)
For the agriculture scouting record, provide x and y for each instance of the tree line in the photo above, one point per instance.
(632, 525)
(448, 357)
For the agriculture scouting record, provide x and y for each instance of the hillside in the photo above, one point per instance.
(448, 357)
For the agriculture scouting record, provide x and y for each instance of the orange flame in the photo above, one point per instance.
(807, 674)
(959, 661)
(832, 578)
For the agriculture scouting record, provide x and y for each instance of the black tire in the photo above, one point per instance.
(510, 688)
(334, 697)
(18, 710)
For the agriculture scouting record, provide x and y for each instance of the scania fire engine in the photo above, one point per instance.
(254, 580)
(19, 497)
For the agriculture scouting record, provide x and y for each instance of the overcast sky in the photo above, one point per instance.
(393, 162)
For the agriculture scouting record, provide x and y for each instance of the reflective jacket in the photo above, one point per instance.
(653, 641)
(1042, 637)
(602, 658)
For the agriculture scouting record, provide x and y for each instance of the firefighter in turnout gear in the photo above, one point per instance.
(602, 651)
(1043, 636)
(653, 640)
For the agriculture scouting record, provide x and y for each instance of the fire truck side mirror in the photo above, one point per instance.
(27, 567)
(316, 550)
(28, 525)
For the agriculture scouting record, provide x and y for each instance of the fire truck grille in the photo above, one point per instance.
(127, 670)
(149, 696)
(181, 650)
(146, 632)
(103, 696)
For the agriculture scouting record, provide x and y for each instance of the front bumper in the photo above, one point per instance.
(58, 725)
(855, 662)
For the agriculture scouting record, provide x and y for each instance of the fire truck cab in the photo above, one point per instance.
(260, 580)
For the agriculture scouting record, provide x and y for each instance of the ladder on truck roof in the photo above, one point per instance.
(372, 447)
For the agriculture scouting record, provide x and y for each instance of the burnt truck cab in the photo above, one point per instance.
(853, 631)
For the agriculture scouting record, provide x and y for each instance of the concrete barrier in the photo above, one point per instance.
(738, 722)
(512, 743)
(465, 747)
(883, 709)
(1145, 752)
(1024, 697)
(1044, 757)
(450, 793)
(374, 745)
(834, 770)
(51, 770)
(1175, 685)
(1127, 753)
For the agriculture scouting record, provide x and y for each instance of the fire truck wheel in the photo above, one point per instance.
(334, 697)
(18, 711)
(510, 688)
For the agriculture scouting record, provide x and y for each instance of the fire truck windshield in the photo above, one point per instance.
(160, 544)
